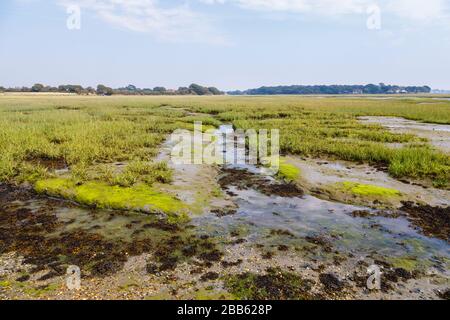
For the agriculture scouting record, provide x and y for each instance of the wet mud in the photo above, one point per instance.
(325, 180)
(52, 244)
(244, 179)
(58, 163)
(255, 238)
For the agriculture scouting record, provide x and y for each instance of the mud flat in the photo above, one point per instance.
(249, 236)
(195, 185)
(437, 134)
(282, 246)
(339, 181)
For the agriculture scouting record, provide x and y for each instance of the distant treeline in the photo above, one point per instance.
(193, 89)
(334, 89)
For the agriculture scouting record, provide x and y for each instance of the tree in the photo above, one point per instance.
(103, 90)
(131, 87)
(159, 90)
(198, 89)
(183, 91)
(215, 91)
(37, 87)
(90, 90)
(333, 89)
(147, 91)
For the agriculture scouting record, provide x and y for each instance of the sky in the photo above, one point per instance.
(231, 44)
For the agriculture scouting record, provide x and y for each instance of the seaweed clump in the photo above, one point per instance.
(432, 221)
(47, 244)
(274, 285)
(244, 180)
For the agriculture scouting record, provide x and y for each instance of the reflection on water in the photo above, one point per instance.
(308, 216)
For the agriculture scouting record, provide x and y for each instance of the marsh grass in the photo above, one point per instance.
(87, 135)
(90, 134)
(329, 127)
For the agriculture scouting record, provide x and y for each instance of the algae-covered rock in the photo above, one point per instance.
(369, 190)
(101, 195)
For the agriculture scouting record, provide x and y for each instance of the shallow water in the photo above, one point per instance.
(259, 214)
(259, 219)
(110, 224)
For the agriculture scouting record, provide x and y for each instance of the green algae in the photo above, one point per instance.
(368, 190)
(41, 291)
(284, 169)
(161, 296)
(416, 246)
(29, 290)
(288, 171)
(101, 195)
(209, 295)
(407, 263)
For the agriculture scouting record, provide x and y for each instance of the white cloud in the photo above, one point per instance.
(408, 10)
(306, 6)
(420, 10)
(180, 23)
(175, 23)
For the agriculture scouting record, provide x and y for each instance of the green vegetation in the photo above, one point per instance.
(207, 294)
(5, 284)
(140, 197)
(419, 162)
(329, 127)
(288, 171)
(335, 89)
(368, 190)
(40, 135)
(113, 140)
(102, 152)
(41, 291)
(407, 263)
(102, 90)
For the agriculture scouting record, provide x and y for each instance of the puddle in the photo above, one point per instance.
(304, 215)
(259, 215)
(437, 134)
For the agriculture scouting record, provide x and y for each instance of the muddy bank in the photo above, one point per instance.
(326, 179)
(244, 179)
(270, 248)
(195, 185)
(52, 234)
(437, 134)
